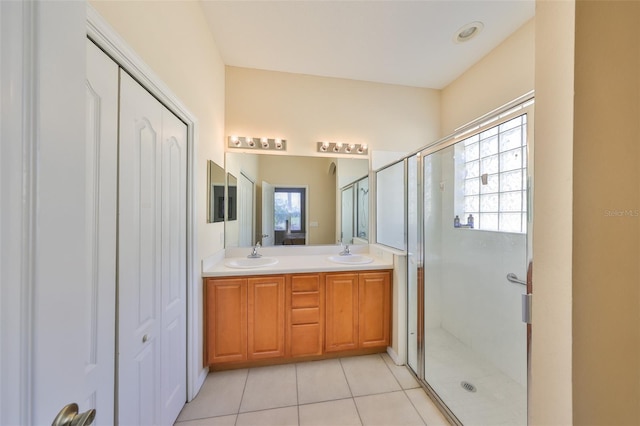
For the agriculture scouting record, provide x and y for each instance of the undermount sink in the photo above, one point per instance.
(247, 263)
(351, 259)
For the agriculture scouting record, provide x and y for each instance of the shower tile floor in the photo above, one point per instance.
(498, 399)
(363, 390)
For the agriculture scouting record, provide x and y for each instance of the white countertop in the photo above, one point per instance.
(296, 260)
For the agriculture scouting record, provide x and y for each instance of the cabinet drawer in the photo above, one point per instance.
(305, 300)
(305, 316)
(303, 283)
(306, 340)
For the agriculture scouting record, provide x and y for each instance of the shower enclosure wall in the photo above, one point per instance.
(467, 224)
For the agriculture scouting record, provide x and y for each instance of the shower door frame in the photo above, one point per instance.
(523, 105)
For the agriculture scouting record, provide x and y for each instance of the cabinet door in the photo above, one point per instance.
(341, 311)
(305, 318)
(374, 290)
(266, 310)
(226, 320)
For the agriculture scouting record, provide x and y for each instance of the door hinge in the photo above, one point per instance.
(526, 308)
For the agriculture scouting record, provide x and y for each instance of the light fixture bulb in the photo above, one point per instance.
(235, 140)
(348, 149)
(278, 143)
(265, 143)
(250, 142)
(324, 146)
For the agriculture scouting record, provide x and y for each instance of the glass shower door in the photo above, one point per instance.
(414, 268)
(475, 234)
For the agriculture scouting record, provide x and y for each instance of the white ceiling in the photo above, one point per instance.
(398, 42)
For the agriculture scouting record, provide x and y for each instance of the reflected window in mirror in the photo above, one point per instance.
(289, 216)
(215, 192)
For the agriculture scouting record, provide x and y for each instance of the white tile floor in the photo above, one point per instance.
(498, 400)
(363, 390)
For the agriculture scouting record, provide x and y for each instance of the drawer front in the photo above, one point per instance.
(303, 283)
(305, 300)
(306, 340)
(305, 316)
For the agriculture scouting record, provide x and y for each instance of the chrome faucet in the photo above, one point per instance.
(346, 251)
(254, 253)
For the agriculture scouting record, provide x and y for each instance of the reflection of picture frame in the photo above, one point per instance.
(232, 191)
(233, 211)
(218, 203)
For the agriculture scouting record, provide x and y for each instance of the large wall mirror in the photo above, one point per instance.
(289, 200)
(215, 192)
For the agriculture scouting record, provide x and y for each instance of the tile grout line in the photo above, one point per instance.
(297, 393)
(246, 380)
(353, 399)
(402, 388)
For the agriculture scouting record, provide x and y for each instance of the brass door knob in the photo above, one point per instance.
(69, 416)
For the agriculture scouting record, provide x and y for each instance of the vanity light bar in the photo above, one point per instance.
(248, 142)
(343, 148)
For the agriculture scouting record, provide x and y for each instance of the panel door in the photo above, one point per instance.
(226, 320)
(374, 293)
(173, 381)
(341, 312)
(101, 196)
(151, 259)
(268, 233)
(266, 310)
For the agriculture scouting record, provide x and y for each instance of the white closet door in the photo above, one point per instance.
(101, 193)
(152, 260)
(173, 380)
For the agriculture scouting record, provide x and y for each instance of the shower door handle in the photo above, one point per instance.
(513, 278)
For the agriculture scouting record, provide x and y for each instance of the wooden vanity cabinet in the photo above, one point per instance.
(244, 319)
(305, 323)
(374, 309)
(295, 315)
(225, 320)
(341, 315)
(266, 311)
(358, 310)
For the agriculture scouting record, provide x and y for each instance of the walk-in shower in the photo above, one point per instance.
(468, 221)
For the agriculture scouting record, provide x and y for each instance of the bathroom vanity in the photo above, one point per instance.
(301, 307)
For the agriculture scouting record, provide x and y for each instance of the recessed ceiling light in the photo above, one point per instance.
(468, 32)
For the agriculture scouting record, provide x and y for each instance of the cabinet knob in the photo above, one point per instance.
(145, 338)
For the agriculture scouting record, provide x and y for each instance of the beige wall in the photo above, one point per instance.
(606, 204)
(305, 109)
(174, 40)
(550, 392)
(506, 73)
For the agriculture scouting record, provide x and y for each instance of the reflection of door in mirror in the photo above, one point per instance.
(346, 234)
(268, 192)
(246, 197)
(215, 193)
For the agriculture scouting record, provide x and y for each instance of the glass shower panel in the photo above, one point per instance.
(390, 206)
(475, 355)
(346, 233)
(414, 269)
